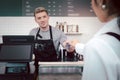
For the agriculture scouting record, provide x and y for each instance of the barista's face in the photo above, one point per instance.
(42, 19)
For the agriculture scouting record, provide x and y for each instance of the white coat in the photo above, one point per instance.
(102, 55)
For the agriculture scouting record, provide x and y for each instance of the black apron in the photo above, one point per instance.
(45, 50)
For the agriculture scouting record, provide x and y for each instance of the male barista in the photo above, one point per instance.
(47, 34)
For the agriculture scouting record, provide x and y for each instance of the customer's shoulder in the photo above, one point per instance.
(102, 40)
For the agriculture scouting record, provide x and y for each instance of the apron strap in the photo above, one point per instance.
(51, 32)
(38, 35)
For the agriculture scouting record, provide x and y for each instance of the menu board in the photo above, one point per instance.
(10, 7)
(65, 8)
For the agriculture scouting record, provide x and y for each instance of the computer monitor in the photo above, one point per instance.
(11, 39)
(16, 52)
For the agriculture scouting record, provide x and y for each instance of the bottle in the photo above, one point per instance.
(57, 25)
(60, 26)
(77, 28)
(65, 27)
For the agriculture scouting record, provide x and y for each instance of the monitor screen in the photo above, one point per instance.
(16, 52)
(10, 39)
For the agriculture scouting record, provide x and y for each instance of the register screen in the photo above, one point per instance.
(16, 53)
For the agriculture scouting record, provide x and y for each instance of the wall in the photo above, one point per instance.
(88, 26)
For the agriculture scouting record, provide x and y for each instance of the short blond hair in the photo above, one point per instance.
(40, 9)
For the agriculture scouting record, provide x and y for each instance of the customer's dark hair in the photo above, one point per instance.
(113, 7)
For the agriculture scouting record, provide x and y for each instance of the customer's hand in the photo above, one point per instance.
(68, 46)
(74, 42)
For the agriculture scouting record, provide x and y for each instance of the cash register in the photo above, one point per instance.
(16, 51)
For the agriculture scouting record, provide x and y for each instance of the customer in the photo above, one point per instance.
(50, 36)
(102, 52)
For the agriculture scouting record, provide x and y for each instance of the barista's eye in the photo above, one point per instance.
(39, 18)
